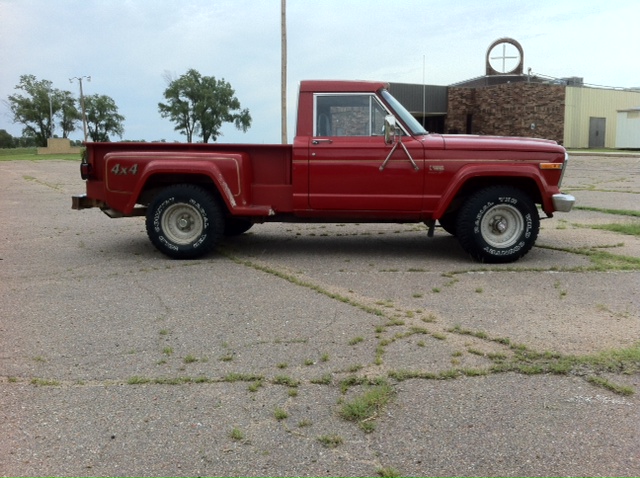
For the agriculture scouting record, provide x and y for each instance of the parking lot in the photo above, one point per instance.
(116, 361)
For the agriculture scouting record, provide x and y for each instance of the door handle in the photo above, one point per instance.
(318, 141)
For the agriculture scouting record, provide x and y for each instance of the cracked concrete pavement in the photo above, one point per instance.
(115, 360)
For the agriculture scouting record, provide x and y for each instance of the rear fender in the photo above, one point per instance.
(128, 174)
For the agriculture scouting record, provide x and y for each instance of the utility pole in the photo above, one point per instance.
(283, 78)
(52, 125)
(84, 116)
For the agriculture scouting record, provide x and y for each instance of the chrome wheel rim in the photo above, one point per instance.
(182, 224)
(502, 226)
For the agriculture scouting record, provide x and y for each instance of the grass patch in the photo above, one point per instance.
(365, 407)
(388, 472)
(280, 414)
(190, 359)
(255, 386)
(45, 383)
(356, 340)
(325, 379)
(601, 261)
(631, 229)
(236, 434)
(617, 212)
(604, 383)
(242, 377)
(331, 441)
(31, 154)
(285, 380)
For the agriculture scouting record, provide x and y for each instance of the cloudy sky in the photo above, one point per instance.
(128, 47)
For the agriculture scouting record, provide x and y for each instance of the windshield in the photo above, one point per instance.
(414, 126)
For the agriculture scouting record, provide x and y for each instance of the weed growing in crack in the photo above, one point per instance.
(604, 383)
(330, 441)
(365, 408)
(236, 434)
(388, 472)
(280, 414)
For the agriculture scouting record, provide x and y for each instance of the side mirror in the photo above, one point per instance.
(389, 129)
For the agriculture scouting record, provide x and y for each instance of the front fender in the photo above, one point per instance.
(494, 174)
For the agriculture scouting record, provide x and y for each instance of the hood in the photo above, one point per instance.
(499, 143)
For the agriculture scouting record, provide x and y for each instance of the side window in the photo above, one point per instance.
(348, 115)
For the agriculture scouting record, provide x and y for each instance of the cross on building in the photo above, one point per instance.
(504, 57)
(499, 59)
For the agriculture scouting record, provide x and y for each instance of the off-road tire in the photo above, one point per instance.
(184, 221)
(498, 224)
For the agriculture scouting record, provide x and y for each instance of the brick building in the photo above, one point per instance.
(511, 109)
(506, 101)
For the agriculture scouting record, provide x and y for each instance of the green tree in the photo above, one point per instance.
(69, 114)
(6, 140)
(201, 104)
(102, 117)
(33, 108)
(38, 107)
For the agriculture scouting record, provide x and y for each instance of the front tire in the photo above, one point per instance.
(184, 221)
(498, 224)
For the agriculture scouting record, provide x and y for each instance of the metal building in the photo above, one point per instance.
(427, 103)
(628, 130)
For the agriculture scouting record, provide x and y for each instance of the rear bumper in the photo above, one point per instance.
(563, 202)
(81, 201)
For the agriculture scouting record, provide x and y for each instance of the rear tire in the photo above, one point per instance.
(498, 224)
(184, 221)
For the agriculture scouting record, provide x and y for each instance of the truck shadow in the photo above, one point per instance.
(387, 246)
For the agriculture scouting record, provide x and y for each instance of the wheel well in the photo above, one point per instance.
(158, 182)
(527, 185)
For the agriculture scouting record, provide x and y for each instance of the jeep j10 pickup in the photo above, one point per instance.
(358, 156)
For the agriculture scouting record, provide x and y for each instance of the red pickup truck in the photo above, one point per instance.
(358, 156)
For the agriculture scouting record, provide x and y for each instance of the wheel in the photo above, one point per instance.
(234, 226)
(498, 224)
(184, 221)
(448, 222)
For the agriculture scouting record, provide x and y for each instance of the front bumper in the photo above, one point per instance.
(563, 202)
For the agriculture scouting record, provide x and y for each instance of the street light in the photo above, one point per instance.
(84, 117)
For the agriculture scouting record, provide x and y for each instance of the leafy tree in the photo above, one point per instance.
(102, 117)
(69, 114)
(39, 106)
(201, 104)
(6, 140)
(34, 108)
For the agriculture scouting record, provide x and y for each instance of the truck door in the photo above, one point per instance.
(346, 152)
